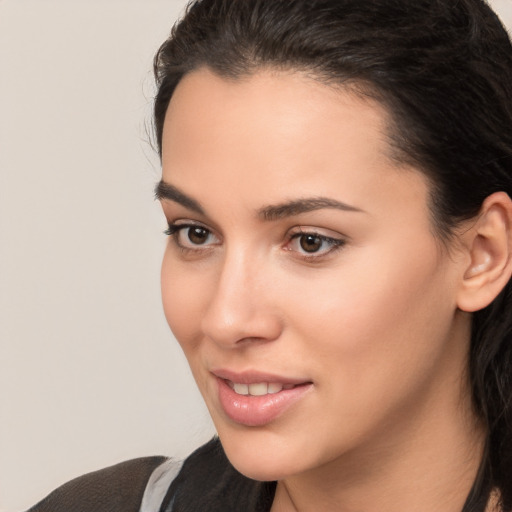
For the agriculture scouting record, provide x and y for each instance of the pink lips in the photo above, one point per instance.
(255, 411)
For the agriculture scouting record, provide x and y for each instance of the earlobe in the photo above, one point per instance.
(489, 245)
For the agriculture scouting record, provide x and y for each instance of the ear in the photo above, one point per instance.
(489, 246)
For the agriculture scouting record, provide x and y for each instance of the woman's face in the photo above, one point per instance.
(303, 281)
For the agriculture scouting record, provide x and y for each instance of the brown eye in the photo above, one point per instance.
(192, 236)
(310, 243)
(197, 235)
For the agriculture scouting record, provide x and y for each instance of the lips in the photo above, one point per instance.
(257, 399)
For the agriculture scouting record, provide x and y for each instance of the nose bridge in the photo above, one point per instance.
(239, 309)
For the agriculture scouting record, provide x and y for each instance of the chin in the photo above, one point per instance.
(261, 455)
(264, 472)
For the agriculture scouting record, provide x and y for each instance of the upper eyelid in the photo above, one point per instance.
(179, 221)
(184, 223)
(317, 232)
(320, 232)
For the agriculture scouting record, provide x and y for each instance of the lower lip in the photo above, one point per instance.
(256, 411)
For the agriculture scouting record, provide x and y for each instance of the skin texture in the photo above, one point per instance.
(375, 324)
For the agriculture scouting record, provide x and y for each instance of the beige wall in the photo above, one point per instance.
(89, 373)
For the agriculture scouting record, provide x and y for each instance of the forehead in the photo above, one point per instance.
(279, 131)
(271, 104)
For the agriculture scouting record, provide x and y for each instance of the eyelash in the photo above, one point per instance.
(335, 244)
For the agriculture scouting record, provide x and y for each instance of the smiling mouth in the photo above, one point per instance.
(257, 401)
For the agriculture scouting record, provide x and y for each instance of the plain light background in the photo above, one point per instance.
(90, 374)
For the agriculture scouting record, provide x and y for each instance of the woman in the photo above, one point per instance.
(336, 178)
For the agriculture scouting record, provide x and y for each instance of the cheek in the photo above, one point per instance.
(374, 338)
(183, 293)
(377, 315)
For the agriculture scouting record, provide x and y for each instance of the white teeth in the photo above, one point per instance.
(274, 387)
(241, 389)
(259, 389)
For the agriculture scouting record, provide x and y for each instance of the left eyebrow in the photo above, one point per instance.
(279, 211)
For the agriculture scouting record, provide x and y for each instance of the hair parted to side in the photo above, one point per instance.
(443, 69)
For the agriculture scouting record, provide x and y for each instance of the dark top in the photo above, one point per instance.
(113, 489)
(205, 481)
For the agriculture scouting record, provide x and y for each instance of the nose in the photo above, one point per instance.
(242, 306)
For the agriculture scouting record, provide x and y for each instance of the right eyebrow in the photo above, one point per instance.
(298, 206)
(166, 191)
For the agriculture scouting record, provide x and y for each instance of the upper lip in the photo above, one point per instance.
(255, 377)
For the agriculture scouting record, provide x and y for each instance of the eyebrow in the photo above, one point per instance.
(299, 206)
(166, 191)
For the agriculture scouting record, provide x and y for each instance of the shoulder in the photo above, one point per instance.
(117, 488)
